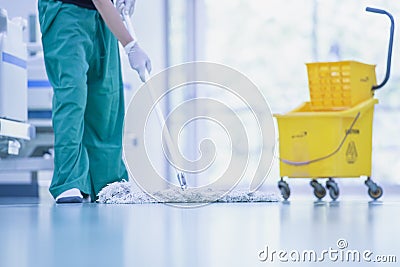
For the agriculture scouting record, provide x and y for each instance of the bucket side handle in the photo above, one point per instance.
(389, 57)
(302, 163)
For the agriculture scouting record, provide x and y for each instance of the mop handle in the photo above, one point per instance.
(166, 134)
(168, 139)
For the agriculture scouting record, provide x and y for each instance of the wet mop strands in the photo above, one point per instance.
(126, 193)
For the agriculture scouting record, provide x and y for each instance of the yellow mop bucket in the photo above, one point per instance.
(331, 136)
(326, 144)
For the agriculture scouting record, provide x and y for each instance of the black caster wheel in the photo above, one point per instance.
(374, 190)
(333, 188)
(284, 188)
(375, 194)
(319, 190)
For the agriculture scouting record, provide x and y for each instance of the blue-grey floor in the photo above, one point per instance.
(41, 233)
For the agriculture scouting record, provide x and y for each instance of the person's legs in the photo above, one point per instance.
(104, 113)
(67, 43)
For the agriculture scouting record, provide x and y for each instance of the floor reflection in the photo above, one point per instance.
(45, 234)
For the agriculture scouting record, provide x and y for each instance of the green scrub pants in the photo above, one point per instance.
(83, 65)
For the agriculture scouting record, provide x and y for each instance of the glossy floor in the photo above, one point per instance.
(41, 233)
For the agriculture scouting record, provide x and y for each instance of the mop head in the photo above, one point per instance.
(125, 193)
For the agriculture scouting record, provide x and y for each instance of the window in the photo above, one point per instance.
(269, 41)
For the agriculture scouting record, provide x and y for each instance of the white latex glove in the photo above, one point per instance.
(127, 5)
(138, 59)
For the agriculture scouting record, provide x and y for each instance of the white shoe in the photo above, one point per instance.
(70, 196)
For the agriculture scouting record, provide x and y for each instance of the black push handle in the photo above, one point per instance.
(389, 58)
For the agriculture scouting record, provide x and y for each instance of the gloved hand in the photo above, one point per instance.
(138, 59)
(127, 5)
